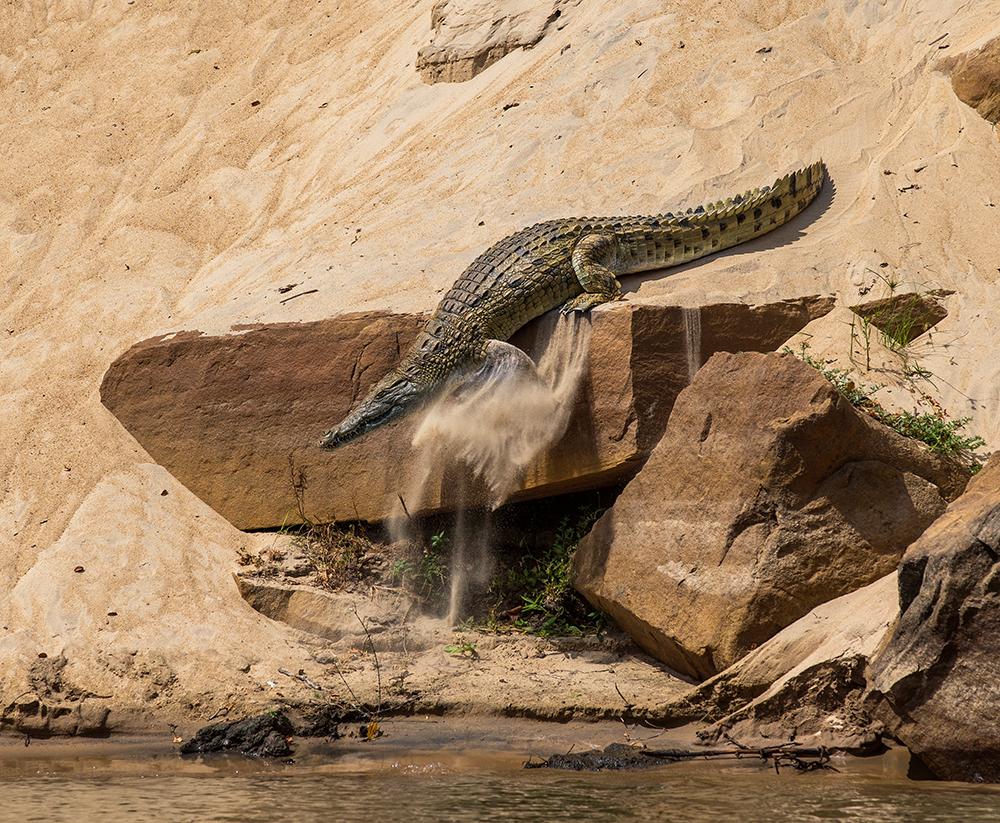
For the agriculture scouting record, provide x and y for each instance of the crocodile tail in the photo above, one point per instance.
(749, 215)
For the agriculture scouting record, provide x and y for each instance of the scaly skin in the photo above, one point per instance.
(573, 264)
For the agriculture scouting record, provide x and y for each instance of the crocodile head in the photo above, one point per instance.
(393, 395)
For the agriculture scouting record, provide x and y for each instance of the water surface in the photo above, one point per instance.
(386, 784)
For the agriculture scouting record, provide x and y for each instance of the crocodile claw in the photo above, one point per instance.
(585, 302)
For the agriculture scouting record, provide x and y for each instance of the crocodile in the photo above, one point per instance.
(573, 264)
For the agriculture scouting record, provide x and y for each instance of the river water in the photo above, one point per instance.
(383, 784)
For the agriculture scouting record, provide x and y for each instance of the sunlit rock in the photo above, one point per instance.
(767, 495)
(237, 418)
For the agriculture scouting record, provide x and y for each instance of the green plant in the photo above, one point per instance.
(425, 571)
(432, 572)
(400, 570)
(897, 317)
(899, 327)
(465, 649)
(941, 435)
(861, 329)
(535, 596)
(857, 393)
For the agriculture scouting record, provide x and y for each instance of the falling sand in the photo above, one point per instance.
(692, 340)
(492, 424)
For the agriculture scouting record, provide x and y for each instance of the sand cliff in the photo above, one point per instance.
(166, 168)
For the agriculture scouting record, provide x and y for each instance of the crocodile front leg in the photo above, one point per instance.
(594, 261)
(500, 363)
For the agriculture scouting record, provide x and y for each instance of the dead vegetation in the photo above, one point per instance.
(342, 557)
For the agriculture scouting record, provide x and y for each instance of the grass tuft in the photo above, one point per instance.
(534, 595)
(424, 572)
(341, 556)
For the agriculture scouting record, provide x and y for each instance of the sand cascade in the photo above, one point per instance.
(485, 428)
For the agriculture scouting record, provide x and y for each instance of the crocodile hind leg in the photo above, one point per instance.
(594, 261)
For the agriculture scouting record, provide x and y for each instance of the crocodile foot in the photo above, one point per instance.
(586, 301)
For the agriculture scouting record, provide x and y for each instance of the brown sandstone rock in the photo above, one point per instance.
(806, 683)
(236, 418)
(850, 626)
(470, 35)
(331, 615)
(940, 672)
(976, 79)
(767, 495)
(820, 706)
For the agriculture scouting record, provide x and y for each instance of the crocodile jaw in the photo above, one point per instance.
(393, 396)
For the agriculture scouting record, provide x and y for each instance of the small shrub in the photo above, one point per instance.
(899, 318)
(424, 572)
(535, 595)
(941, 435)
(856, 393)
(464, 649)
(341, 556)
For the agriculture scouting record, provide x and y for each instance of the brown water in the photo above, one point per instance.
(378, 783)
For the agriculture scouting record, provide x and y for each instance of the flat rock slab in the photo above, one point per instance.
(236, 418)
(330, 615)
(767, 495)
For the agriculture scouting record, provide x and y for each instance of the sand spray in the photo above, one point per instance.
(486, 428)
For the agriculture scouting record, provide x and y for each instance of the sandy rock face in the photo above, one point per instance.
(470, 35)
(236, 418)
(767, 495)
(976, 79)
(184, 177)
(941, 668)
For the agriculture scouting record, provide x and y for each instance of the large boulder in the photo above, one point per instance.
(767, 495)
(237, 417)
(940, 672)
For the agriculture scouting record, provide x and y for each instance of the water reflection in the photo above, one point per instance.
(424, 789)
